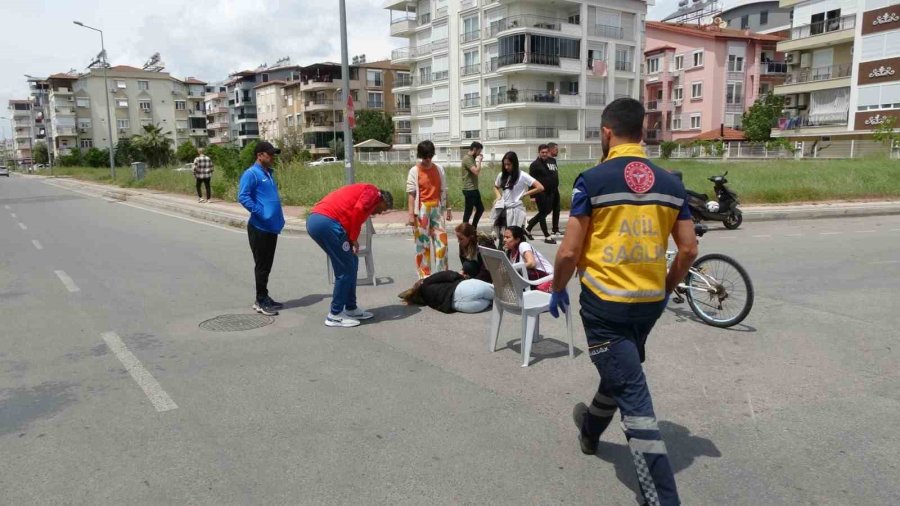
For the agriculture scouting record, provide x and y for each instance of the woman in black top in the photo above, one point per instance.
(449, 291)
(469, 240)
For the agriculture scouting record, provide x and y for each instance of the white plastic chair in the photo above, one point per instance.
(365, 252)
(513, 294)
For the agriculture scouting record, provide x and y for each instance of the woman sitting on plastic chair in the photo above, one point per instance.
(518, 250)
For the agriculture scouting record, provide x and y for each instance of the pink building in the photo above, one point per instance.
(702, 78)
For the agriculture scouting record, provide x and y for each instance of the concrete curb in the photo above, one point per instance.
(297, 226)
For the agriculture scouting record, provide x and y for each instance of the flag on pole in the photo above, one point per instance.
(351, 115)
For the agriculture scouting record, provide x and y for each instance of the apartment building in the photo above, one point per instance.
(702, 78)
(766, 17)
(218, 115)
(512, 73)
(40, 97)
(22, 123)
(63, 134)
(841, 58)
(269, 100)
(241, 90)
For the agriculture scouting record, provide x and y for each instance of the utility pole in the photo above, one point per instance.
(106, 92)
(349, 175)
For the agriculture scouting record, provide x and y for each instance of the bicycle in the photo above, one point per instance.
(713, 293)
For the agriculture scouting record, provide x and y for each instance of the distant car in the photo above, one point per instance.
(324, 161)
(4, 171)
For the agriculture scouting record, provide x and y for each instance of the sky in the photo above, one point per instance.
(207, 39)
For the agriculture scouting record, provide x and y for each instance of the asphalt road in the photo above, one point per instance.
(110, 393)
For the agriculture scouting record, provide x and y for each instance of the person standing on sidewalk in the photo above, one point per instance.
(623, 212)
(511, 186)
(258, 193)
(546, 173)
(557, 203)
(471, 168)
(335, 223)
(426, 190)
(203, 169)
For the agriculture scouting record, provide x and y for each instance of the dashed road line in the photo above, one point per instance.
(22, 226)
(67, 281)
(158, 397)
(865, 231)
(830, 233)
(7, 208)
(37, 244)
(761, 236)
(885, 262)
(14, 216)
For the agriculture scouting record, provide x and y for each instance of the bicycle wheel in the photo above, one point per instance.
(719, 290)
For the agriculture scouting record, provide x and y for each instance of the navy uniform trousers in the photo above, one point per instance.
(617, 350)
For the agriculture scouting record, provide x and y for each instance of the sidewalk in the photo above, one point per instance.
(394, 222)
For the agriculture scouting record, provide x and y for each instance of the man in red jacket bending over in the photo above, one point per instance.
(334, 223)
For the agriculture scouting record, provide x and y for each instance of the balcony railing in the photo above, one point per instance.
(522, 132)
(248, 133)
(437, 45)
(527, 58)
(374, 83)
(402, 109)
(469, 36)
(653, 134)
(440, 136)
(468, 103)
(835, 119)
(401, 81)
(610, 32)
(441, 13)
(247, 116)
(411, 52)
(523, 21)
(403, 138)
(422, 109)
(596, 99)
(440, 106)
(625, 65)
(819, 74)
(516, 96)
(468, 70)
(491, 65)
(440, 76)
(826, 26)
(372, 104)
(592, 133)
(421, 80)
(772, 68)
(467, 4)
(734, 104)
(470, 134)
(424, 18)
(652, 106)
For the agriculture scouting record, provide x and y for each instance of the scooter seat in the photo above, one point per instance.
(701, 196)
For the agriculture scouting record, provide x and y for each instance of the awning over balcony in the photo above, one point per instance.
(829, 105)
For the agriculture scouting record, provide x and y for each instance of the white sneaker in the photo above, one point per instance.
(200, 200)
(340, 321)
(358, 314)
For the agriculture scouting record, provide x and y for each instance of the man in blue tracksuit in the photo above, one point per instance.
(258, 193)
(623, 213)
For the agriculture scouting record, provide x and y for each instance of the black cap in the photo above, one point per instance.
(266, 147)
(387, 198)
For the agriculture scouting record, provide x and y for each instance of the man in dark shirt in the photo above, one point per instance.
(554, 152)
(544, 170)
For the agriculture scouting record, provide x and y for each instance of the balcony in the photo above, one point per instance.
(653, 135)
(421, 80)
(467, 4)
(824, 124)
(815, 79)
(217, 126)
(402, 110)
(323, 126)
(624, 65)
(522, 132)
(62, 91)
(423, 18)
(439, 107)
(404, 138)
(469, 70)
(437, 45)
(65, 131)
(530, 21)
(820, 34)
(405, 54)
(402, 81)
(536, 62)
(653, 106)
(778, 69)
(470, 135)
(198, 132)
(592, 133)
(470, 36)
(377, 83)
(596, 99)
(403, 27)
(322, 104)
(606, 31)
(321, 83)
(441, 13)
(375, 104)
(440, 136)
(248, 133)
(194, 113)
(246, 117)
(440, 76)
(515, 96)
(421, 109)
(734, 105)
(469, 103)
(220, 110)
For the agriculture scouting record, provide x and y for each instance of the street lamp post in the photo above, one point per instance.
(349, 174)
(112, 163)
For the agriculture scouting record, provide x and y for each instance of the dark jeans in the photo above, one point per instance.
(262, 244)
(617, 351)
(205, 182)
(331, 237)
(546, 203)
(473, 201)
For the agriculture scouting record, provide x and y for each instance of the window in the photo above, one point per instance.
(470, 28)
(82, 102)
(679, 62)
(373, 78)
(144, 85)
(698, 58)
(659, 94)
(470, 59)
(735, 63)
(180, 105)
(376, 100)
(122, 124)
(697, 90)
(764, 17)
(678, 93)
(569, 48)
(120, 84)
(181, 124)
(145, 105)
(122, 102)
(85, 143)
(676, 123)
(653, 65)
(695, 121)
(745, 21)
(734, 93)
(265, 78)
(84, 123)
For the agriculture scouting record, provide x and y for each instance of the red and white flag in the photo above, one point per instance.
(599, 68)
(351, 115)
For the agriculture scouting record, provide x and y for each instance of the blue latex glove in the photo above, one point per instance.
(559, 301)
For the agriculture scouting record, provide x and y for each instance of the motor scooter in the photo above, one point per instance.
(726, 207)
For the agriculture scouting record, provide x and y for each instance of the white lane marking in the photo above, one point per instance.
(158, 397)
(884, 262)
(7, 208)
(865, 231)
(727, 237)
(36, 244)
(829, 233)
(793, 235)
(762, 235)
(185, 218)
(13, 215)
(895, 230)
(66, 280)
(750, 404)
(22, 226)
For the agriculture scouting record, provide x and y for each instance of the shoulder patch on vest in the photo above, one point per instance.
(639, 177)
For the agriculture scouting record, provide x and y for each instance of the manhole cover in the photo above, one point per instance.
(236, 322)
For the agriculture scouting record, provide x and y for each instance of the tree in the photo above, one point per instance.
(372, 124)
(762, 116)
(40, 153)
(186, 152)
(226, 160)
(292, 146)
(96, 158)
(884, 131)
(246, 158)
(126, 153)
(73, 159)
(154, 144)
(337, 147)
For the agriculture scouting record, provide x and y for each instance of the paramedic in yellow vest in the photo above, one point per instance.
(623, 212)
